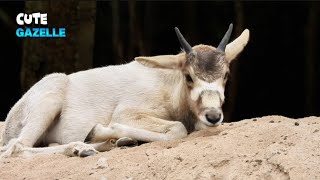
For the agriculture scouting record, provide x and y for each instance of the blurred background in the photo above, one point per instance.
(277, 73)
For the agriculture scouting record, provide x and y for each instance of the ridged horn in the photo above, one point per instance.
(185, 45)
(225, 39)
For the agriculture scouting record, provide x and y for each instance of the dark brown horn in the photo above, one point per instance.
(185, 45)
(225, 39)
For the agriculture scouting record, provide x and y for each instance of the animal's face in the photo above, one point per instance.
(205, 74)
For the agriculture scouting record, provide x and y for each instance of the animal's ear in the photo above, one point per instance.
(234, 48)
(163, 61)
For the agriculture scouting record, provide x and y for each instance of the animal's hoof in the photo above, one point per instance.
(126, 141)
(88, 152)
(13, 148)
(82, 150)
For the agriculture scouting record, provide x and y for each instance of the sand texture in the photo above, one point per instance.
(271, 147)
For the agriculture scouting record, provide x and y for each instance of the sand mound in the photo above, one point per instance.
(272, 147)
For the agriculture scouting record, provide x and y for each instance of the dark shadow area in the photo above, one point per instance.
(277, 73)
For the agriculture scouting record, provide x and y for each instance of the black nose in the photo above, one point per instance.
(213, 117)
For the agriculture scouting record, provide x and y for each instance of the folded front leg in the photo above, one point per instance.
(146, 129)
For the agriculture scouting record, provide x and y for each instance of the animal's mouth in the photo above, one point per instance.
(213, 125)
(218, 123)
(202, 117)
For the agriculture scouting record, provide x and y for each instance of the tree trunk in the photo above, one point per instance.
(148, 29)
(116, 41)
(46, 55)
(135, 40)
(87, 13)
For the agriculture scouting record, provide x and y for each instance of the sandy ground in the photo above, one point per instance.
(272, 147)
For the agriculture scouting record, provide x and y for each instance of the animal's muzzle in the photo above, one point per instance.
(213, 116)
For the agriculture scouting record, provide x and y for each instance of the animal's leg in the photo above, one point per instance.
(38, 123)
(145, 129)
(32, 115)
(42, 118)
(126, 142)
(53, 144)
(112, 143)
(12, 148)
(74, 148)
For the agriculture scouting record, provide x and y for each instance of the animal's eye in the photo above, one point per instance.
(188, 78)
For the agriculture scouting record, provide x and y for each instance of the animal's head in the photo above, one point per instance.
(205, 70)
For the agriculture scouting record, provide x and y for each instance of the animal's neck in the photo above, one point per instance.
(182, 111)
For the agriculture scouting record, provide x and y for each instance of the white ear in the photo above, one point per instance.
(163, 61)
(234, 48)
